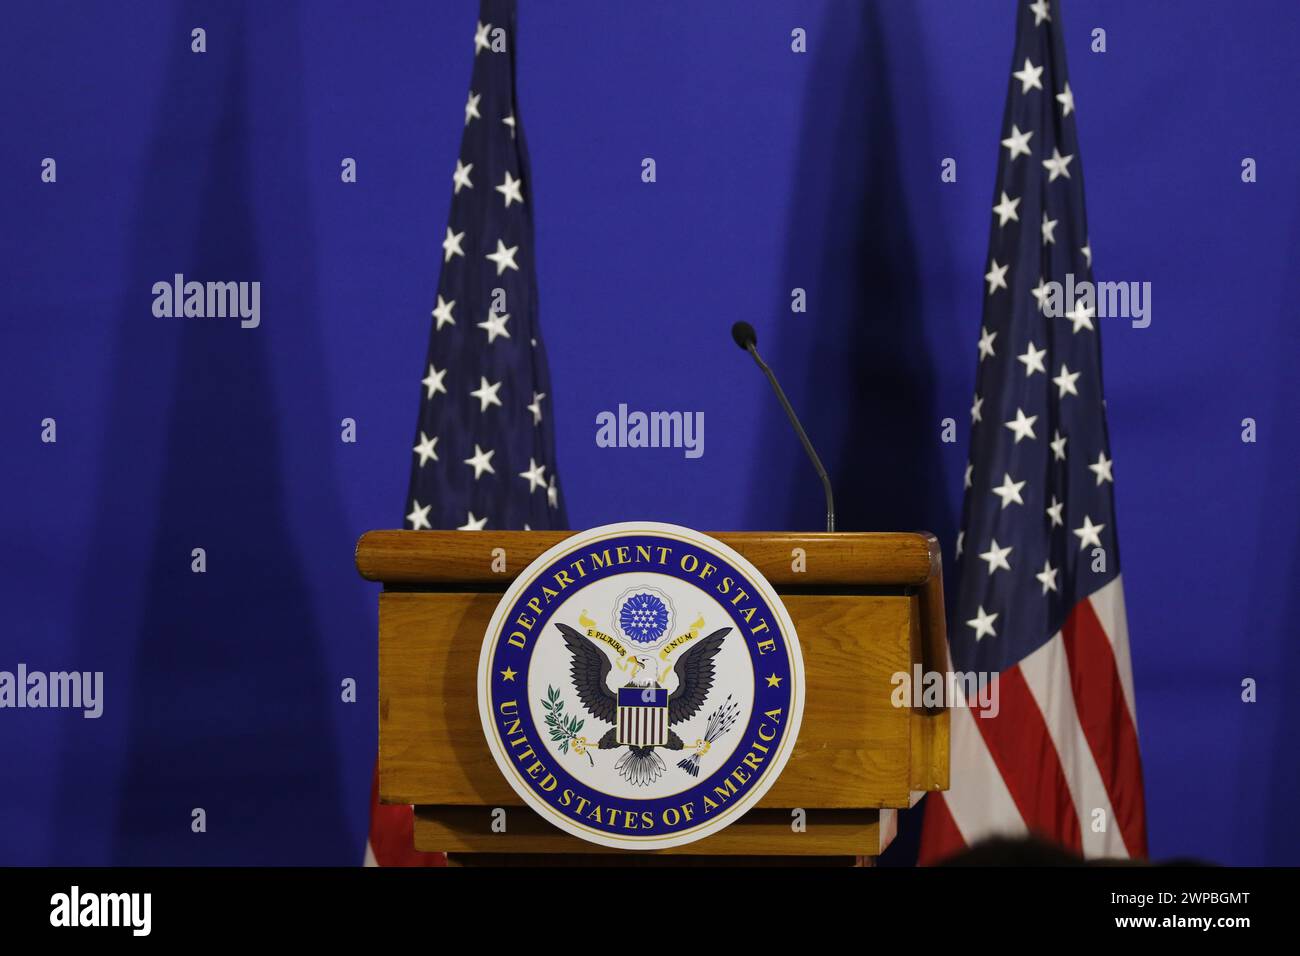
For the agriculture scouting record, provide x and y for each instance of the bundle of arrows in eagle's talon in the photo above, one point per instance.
(720, 722)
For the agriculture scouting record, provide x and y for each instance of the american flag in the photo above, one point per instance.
(1040, 600)
(483, 455)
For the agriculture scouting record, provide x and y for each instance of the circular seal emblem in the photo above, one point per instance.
(641, 685)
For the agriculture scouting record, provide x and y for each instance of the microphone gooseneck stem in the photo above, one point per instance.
(803, 437)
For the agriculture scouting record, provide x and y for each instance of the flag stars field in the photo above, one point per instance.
(485, 334)
(471, 363)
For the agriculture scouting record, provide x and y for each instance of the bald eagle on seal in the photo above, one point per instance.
(590, 668)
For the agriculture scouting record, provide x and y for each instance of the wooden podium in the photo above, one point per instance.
(866, 607)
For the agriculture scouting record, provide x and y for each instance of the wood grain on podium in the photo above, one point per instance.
(464, 558)
(760, 832)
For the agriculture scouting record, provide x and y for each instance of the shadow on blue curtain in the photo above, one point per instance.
(850, 244)
(229, 701)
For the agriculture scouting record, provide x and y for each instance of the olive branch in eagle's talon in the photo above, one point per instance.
(564, 727)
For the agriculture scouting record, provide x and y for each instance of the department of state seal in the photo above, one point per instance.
(641, 685)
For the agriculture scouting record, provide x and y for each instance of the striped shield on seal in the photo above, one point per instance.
(642, 716)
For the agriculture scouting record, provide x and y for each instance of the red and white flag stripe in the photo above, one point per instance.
(391, 840)
(1060, 758)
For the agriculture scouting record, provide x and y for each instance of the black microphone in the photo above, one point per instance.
(747, 339)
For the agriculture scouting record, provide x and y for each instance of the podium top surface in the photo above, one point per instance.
(449, 559)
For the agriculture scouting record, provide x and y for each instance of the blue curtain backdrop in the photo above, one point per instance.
(775, 170)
